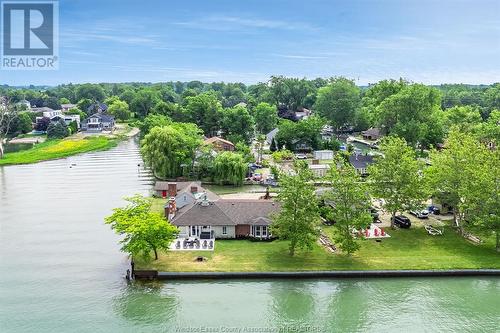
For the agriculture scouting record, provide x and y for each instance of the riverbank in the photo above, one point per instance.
(59, 148)
(410, 249)
(73, 145)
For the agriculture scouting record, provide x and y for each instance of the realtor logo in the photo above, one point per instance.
(29, 35)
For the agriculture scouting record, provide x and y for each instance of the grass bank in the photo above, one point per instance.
(406, 249)
(54, 149)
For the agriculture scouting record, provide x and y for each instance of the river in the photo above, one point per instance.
(61, 271)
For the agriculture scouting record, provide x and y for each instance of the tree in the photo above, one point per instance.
(483, 189)
(266, 117)
(289, 92)
(167, 149)
(153, 120)
(143, 230)
(84, 105)
(93, 92)
(273, 147)
(8, 114)
(42, 124)
(57, 130)
(338, 102)
(395, 177)
(306, 131)
(22, 124)
(205, 110)
(350, 199)
(465, 118)
(237, 121)
(452, 170)
(298, 218)
(229, 168)
(165, 108)
(143, 102)
(119, 109)
(408, 113)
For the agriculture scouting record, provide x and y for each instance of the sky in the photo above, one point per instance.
(433, 42)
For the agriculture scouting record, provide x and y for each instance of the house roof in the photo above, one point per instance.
(95, 106)
(68, 106)
(359, 161)
(216, 138)
(372, 132)
(227, 212)
(162, 186)
(102, 116)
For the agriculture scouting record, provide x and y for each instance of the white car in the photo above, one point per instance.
(301, 156)
(421, 214)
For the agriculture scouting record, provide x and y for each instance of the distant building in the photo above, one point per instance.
(67, 107)
(361, 162)
(323, 154)
(220, 144)
(319, 170)
(97, 108)
(98, 122)
(371, 134)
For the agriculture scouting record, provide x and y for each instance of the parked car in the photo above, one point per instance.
(421, 214)
(301, 156)
(434, 210)
(257, 177)
(402, 221)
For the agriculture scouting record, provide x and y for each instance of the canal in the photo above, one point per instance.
(61, 271)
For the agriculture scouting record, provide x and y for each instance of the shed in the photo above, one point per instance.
(323, 154)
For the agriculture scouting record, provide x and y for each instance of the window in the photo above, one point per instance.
(264, 231)
(257, 231)
(224, 230)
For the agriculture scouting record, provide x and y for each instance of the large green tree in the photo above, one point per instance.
(94, 92)
(409, 114)
(266, 117)
(297, 221)
(338, 102)
(144, 101)
(452, 170)
(229, 168)
(167, 149)
(350, 199)
(205, 110)
(143, 231)
(396, 177)
(120, 110)
(237, 123)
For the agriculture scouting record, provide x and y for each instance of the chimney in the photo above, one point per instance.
(194, 189)
(172, 189)
(171, 208)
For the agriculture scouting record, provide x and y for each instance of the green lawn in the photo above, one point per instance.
(54, 149)
(406, 249)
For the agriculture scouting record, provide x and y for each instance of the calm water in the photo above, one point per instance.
(61, 271)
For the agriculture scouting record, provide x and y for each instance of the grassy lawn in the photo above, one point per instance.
(406, 249)
(54, 149)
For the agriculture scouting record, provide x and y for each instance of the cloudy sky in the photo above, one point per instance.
(445, 41)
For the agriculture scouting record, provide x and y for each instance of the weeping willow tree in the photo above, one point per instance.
(165, 149)
(229, 168)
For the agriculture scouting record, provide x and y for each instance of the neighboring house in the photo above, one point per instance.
(98, 122)
(97, 108)
(327, 133)
(170, 189)
(56, 115)
(220, 144)
(371, 134)
(323, 154)
(361, 162)
(301, 145)
(52, 113)
(319, 170)
(271, 135)
(303, 113)
(42, 110)
(67, 107)
(207, 219)
(25, 103)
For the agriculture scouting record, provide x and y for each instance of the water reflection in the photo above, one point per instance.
(146, 303)
(292, 303)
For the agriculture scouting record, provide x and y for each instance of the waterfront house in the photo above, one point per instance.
(220, 144)
(361, 162)
(323, 154)
(371, 134)
(67, 107)
(98, 122)
(224, 218)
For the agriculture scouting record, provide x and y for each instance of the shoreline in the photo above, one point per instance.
(155, 275)
(26, 156)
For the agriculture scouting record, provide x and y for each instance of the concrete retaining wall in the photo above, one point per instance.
(321, 274)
